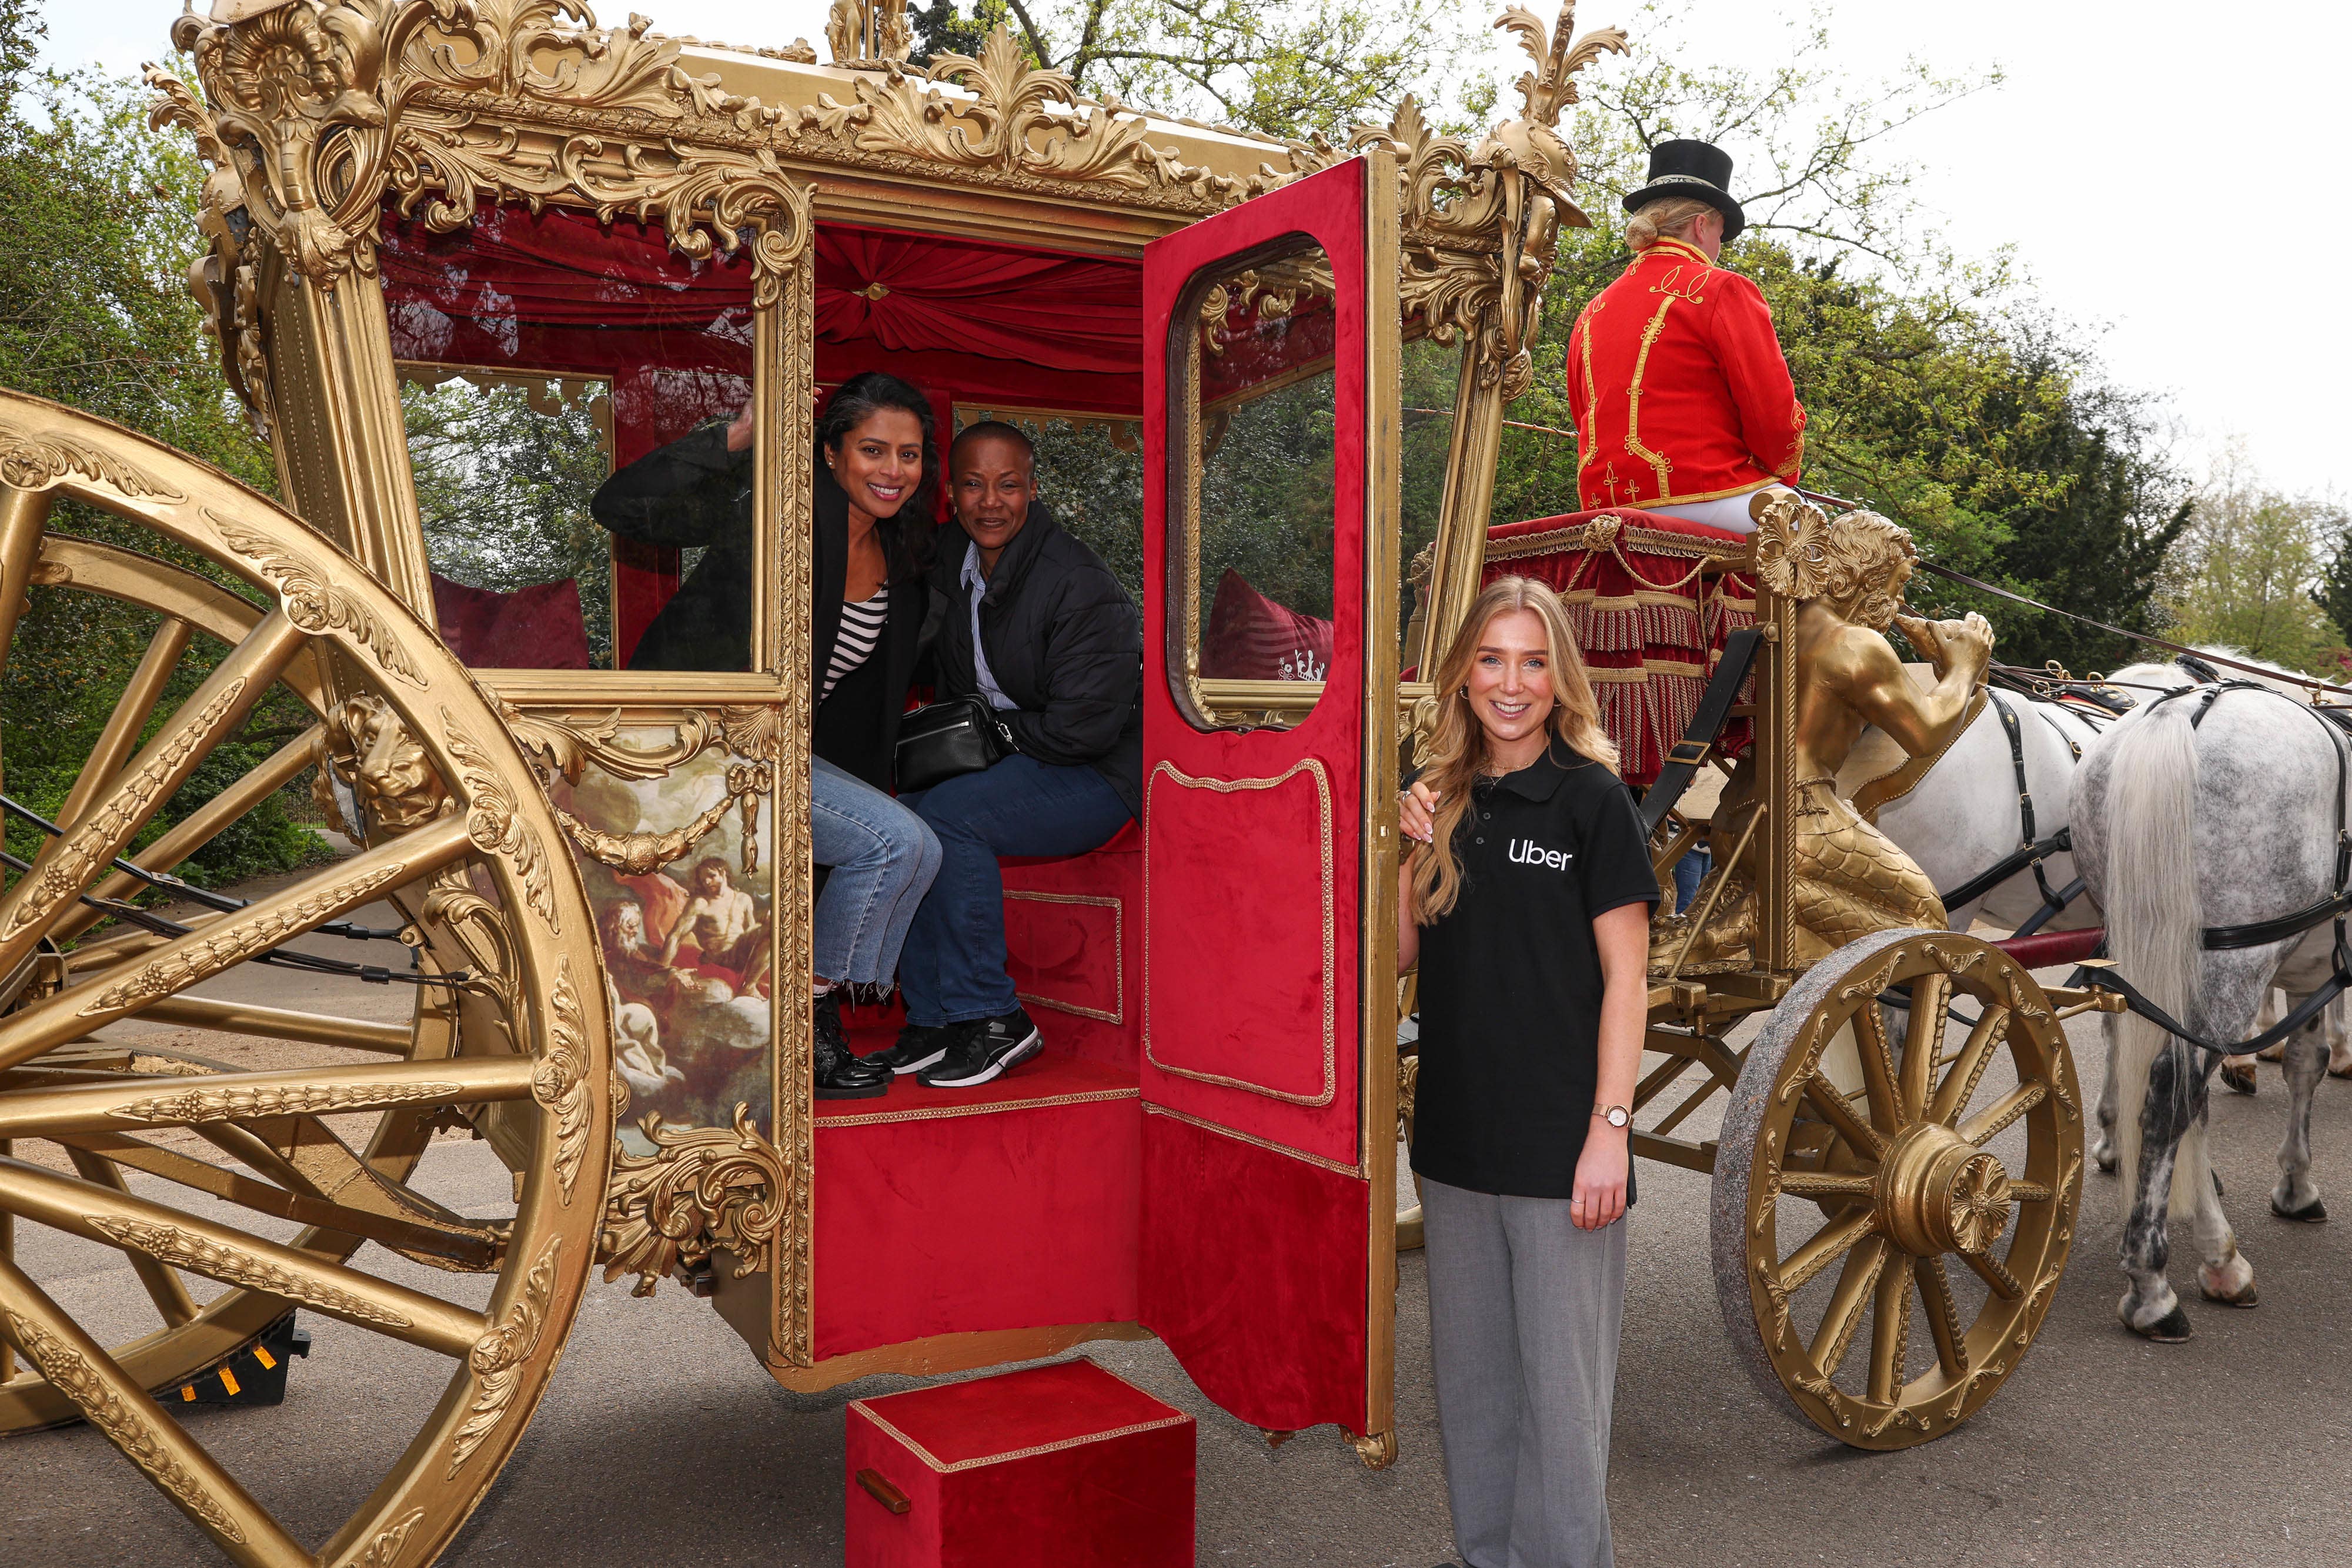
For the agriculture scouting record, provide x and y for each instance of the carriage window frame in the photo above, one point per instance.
(440, 372)
(1219, 704)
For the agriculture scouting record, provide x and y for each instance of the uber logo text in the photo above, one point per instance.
(1527, 852)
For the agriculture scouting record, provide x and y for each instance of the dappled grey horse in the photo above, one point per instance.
(2195, 812)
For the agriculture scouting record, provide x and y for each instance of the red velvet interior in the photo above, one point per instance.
(1013, 1204)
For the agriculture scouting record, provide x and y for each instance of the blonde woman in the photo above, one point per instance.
(1526, 900)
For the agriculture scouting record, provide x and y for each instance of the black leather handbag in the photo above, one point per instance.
(942, 739)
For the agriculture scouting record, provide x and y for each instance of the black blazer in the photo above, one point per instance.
(1063, 642)
(694, 493)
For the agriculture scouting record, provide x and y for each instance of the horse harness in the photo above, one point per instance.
(2336, 906)
(2030, 851)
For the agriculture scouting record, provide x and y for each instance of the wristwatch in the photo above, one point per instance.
(1615, 1116)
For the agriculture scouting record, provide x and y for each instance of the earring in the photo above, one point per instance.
(1466, 691)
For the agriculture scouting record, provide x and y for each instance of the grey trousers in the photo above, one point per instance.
(1524, 1312)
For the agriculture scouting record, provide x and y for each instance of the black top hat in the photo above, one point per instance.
(1696, 169)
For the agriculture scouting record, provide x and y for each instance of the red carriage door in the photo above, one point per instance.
(1270, 638)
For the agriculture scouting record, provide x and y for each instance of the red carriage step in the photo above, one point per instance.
(2048, 949)
(1063, 1465)
(1653, 600)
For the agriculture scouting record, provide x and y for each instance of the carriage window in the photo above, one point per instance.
(542, 353)
(505, 468)
(1253, 536)
(1090, 472)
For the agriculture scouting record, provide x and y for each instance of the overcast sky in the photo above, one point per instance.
(2169, 174)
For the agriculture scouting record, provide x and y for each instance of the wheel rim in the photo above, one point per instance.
(459, 838)
(1885, 1251)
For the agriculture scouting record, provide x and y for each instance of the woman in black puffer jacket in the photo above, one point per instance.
(1032, 621)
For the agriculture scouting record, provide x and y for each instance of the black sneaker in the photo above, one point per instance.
(918, 1046)
(839, 1075)
(984, 1050)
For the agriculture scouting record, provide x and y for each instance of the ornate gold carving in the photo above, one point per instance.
(72, 1375)
(312, 603)
(1012, 119)
(185, 1249)
(91, 845)
(37, 462)
(233, 942)
(1378, 1450)
(365, 742)
(702, 1189)
(495, 822)
(384, 1551)
(560, 1082)
(638, 854)
(292, 1099)
(499, 1356)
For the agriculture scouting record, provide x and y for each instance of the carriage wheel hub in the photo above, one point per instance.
(1939, 1193)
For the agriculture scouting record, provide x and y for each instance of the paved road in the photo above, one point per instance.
(663, 1444)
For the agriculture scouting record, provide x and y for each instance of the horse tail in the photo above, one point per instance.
(2155, 921)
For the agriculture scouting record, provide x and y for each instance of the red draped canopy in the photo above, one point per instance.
(914, 293)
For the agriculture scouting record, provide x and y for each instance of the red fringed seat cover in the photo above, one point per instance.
(1651, 619)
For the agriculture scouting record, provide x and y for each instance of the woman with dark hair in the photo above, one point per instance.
(874, 476)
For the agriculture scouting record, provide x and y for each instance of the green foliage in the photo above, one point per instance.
(2250, 569)
(2333, 593)
(504, 473)
(1289, 68)
(100, 218)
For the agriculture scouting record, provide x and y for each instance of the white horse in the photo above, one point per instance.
(2237, 1071)
(2178, 826)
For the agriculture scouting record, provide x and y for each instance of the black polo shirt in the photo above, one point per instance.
(1510, 978)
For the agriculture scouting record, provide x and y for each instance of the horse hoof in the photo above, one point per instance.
(2104, 1156)
(2245, 1298)
(2339, 1072)
(2313, 1213)
(2241, 1079)
(2170, 1329)
(2271, 1052)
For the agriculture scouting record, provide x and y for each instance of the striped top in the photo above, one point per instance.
(861, 629)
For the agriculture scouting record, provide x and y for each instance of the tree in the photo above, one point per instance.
(1289, 67)
(2251, 569)
(2334, 592)
(100, 216)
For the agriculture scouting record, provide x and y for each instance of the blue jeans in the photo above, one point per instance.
(954, 971)
(883, 859)
(1690, 872)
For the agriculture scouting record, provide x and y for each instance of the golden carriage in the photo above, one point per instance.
(463, 251)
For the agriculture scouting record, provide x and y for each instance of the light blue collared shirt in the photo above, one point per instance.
(976, 582)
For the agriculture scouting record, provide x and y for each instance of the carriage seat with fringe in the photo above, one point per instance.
(1652, 598)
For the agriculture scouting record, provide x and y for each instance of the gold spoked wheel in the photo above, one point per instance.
(1894, 1190)
(236, 1192)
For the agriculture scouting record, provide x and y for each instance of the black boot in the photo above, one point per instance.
(839, 1075)
(918, 1046)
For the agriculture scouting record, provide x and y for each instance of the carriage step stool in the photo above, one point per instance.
(1063, 1465)
(253, 1374)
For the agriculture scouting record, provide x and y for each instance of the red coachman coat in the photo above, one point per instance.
(1678, 386)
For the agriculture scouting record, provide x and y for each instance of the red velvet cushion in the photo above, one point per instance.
(536, 628)
(1252, 638)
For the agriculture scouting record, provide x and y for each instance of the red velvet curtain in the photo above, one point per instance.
(916, 293)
